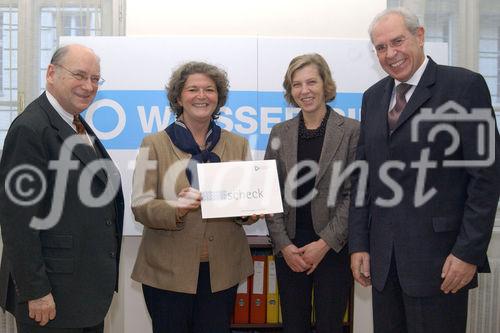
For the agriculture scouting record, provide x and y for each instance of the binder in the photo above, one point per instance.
(242, 305)
(272, 292)
(313, 308)
(258, 291)
(346, 315)
(280, 315)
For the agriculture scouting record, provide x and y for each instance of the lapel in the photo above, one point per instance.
(220, 146)
(421, 94)
(331, 143)
(105, 156)
(81, 151)
(179, 156)
(178, 153)
(289, 142)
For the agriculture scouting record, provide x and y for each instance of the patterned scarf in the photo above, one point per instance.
(183, 139)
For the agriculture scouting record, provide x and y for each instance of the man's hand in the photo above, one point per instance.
(360, 267)
(313, 253)
(42, 309)
(293, 258)
(456, 274)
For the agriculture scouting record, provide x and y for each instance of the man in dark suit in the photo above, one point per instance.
(61, 206)
(421, 232)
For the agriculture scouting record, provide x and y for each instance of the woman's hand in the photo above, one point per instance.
(252, 218)
(293, 258)
(187, 199)
(313, 253)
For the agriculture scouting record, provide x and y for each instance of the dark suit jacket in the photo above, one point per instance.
(77, 259)
(339, 146)
(459, 218)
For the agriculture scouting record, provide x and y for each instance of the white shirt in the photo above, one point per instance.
(66, 116)
(413, 80)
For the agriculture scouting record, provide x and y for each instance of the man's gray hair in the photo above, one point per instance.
(410, 19)
(62, 52)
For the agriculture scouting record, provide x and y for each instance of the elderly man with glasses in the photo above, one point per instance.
(429, 137)
(61, 206)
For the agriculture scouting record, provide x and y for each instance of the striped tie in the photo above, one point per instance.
(395, 112)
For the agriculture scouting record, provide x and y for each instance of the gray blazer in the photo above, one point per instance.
(339, 146)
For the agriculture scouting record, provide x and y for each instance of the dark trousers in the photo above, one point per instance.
(331, 281)
(396, 312)
(29, 328)
(203, 312)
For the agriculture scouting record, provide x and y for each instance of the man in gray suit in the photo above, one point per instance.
(61, 206)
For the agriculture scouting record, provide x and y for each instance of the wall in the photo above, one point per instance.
(290, 18)
(297, 18)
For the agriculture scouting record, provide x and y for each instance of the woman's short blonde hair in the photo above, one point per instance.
(300, 62)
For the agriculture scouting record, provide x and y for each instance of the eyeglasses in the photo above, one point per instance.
(96, 80)
(396, 42)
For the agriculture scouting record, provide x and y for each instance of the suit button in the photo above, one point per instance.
(112, 254)
(108, 222)
(211, 238)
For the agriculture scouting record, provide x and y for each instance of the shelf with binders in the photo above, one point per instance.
(257, 307)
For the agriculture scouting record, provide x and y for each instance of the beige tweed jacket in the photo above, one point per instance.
(169, 254)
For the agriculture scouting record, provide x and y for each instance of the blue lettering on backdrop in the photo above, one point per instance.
(123, 118)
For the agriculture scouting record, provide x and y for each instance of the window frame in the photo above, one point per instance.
(464, 39)
(29, 74)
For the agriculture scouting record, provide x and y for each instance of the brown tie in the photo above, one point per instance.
(80, 129)
(395, 112)
(79, 126)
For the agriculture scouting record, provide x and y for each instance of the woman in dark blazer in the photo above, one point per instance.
(309, 238)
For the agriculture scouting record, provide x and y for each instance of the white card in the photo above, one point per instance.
(243, 188)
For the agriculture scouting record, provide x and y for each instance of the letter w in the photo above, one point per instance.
(154, 118)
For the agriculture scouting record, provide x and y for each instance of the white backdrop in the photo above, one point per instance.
(132, 102)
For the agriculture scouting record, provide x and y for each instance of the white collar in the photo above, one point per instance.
(66, 116)
(415, 78)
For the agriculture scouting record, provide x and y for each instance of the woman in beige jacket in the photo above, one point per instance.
(189, 267)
